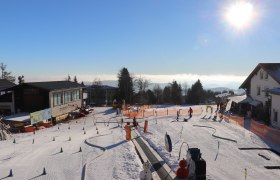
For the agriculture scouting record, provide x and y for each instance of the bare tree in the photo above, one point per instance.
(142, 84)
(185, 88)
(68, 78)
(5, 74)
(97, 82)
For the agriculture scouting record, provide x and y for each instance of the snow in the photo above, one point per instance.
(107, 155)
(22, 117)
(237, 99)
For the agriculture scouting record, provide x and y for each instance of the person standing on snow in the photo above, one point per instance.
(190, 112)
(177, 116)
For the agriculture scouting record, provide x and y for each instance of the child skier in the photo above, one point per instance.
(190, 112)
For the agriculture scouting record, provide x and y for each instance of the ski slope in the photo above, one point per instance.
(107, 155)
(223, 157)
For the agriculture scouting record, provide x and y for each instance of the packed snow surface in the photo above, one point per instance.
(107, 155)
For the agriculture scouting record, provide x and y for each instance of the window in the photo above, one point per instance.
(75, 95)
(266, 89)
(261, 75)
(57, 99)
(275, 115)
(266, 75)
(258, 90)
(67, 97)
(78, 94)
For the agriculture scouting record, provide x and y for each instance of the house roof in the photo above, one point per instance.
(4, 84)
(238, 99)
(275, 91)
(273, 69)
(22, 117)
(55, 85)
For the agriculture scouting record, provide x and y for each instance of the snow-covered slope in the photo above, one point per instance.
(107, 155)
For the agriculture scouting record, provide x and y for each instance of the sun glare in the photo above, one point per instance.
(240, 14)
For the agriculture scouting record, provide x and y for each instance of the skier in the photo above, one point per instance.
(177, 116)
(190, 112)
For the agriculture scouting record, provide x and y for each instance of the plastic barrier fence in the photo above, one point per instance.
(162, 112)
(265, 132)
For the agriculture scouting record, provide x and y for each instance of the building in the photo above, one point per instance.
(61, 97)
(6, 98)
(275, 106)
(101, 94)
(258, 85)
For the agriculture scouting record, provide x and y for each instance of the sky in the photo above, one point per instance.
(162, 40)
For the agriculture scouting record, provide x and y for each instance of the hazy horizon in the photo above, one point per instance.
(209, 81)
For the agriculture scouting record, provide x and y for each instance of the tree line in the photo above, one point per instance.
(135, 90)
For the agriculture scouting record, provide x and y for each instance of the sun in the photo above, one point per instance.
(240, 14)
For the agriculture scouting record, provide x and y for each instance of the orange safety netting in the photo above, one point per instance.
(265, 132)
(145, 111)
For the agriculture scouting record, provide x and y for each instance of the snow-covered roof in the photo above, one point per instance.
(22, 117)
(237, 99)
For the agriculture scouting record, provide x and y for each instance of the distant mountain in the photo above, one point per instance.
(219, 89)
(112, 83)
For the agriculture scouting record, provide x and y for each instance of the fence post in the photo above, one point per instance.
(145, 126)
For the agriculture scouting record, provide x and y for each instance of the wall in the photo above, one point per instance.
(275, 106)
(9, 106)
(64, 108)
(263, 83)
(30, 99)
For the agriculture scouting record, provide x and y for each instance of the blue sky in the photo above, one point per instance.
(160, 40)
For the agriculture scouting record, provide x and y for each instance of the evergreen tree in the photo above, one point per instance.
(151, 98)
(176, 93)
(125, 84)
(167, 94)
(75, 79)
(20, 79)
(158, 93)
(196, 93)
